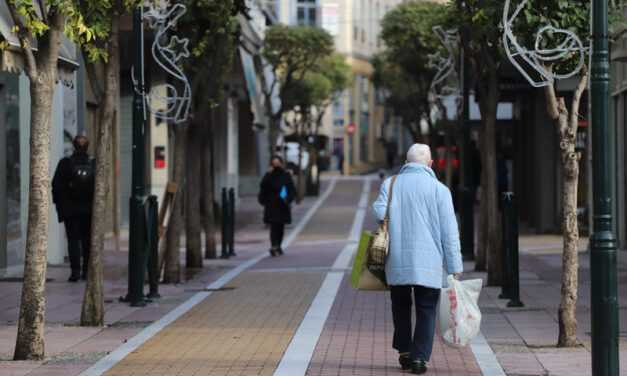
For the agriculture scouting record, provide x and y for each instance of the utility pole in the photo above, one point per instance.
(604, 304)
(137, 221)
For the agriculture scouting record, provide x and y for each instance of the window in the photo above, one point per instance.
(306, 12)
(338, 110)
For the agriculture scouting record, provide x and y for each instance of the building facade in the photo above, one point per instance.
(15, 145)
(356, 121)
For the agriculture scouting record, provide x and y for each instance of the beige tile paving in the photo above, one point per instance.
(243, 331)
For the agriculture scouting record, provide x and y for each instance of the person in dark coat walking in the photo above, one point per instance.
(73, 188)
(276, 194)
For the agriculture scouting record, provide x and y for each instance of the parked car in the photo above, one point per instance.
(291, 150)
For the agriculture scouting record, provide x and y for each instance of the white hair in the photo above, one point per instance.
(419, 153)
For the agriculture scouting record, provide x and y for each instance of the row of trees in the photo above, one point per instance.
(94, 26)
(307, 75)
(403, 70)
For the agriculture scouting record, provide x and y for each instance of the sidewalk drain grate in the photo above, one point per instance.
(20, 280)
(130, 324)
(74, 358)
(211, 290)
(494, 310)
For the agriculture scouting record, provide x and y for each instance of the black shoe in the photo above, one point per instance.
(273, 252)
(74, 278)
(419, 367)
(280, 252)
(405, 361)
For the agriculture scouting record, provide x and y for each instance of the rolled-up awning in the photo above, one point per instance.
(253, 86)
(12, 59)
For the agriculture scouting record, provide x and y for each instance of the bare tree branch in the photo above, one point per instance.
(42, 9)
(552, 105)
(94, 81)
(25, 37)
(581, 87)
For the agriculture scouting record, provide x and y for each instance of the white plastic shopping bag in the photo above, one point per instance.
(460, 318)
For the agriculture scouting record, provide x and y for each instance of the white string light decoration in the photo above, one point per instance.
(538, 58)
(444, 65)
(167, 51)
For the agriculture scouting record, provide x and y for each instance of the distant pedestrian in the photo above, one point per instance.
(73, 194)
(276, 194)
(424, 239)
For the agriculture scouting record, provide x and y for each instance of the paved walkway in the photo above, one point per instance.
(272, 316)
(357, 340)
(70, 349)
(524, 338)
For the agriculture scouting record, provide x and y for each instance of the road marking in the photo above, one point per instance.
(360, 216)
(486, 359)
(314, 243)
(298, 355)
(106, 363)
(296, 359)
(306, 269)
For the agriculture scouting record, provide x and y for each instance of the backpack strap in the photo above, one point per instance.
(386, 219)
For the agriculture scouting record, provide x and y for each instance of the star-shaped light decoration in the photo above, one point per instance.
(177, 48)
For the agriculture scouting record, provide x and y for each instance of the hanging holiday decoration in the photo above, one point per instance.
(527, 61)
(173, 101)
(444, 64)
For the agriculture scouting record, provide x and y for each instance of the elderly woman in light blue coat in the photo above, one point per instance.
(424, 244)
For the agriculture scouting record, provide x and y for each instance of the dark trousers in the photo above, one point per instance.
(277, 230)
(426, 300)
(78, 231)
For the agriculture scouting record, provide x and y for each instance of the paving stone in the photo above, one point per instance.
(239, 331)
(357, 340)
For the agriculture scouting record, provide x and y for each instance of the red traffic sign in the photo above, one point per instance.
(350, 128)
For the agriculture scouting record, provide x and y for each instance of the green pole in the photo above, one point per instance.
(604, 302)
(137, 225)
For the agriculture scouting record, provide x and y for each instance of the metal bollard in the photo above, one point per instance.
(511, 224)
(232, 222)
(468, 224)
(136, 255)
(506, 205)
(225, 225)
(152, 220)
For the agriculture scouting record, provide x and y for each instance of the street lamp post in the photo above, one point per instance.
(137, 223)
(604, 304)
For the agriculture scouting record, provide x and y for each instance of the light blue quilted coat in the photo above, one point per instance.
(424, 237)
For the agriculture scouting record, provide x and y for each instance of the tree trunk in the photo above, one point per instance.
(92, 313)
(193, 238)
(172, 272)
(300, 191)
(30, 333)
(208, 196)
(570, 261)
(448, 157)
(567, 125)
(415, 132)
(30, 337)
(493, 247)
(274, 130)
(481, 259)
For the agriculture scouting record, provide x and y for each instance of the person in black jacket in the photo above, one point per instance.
(73, 188)
(276, 193)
